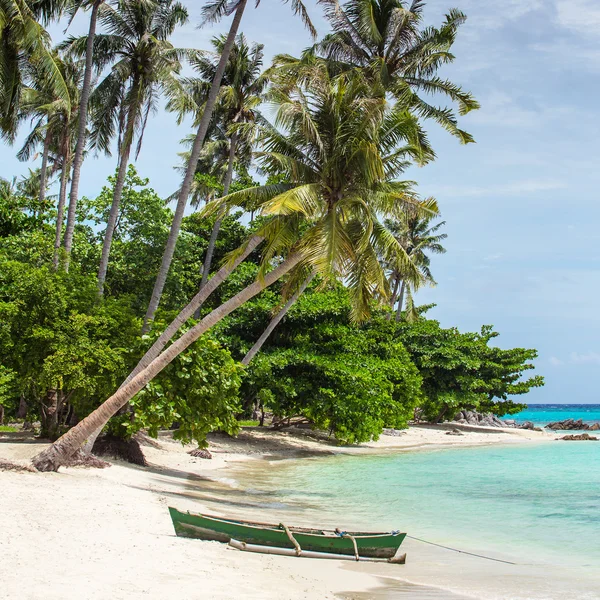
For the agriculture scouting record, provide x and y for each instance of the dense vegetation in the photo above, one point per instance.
(298, 288)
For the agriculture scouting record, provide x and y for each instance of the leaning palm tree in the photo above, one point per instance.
(327, 139)
(235, 118)
(213, 11)
(418, 236)
(23, 42)
(241, 93)
(144, 63)
(388, 41)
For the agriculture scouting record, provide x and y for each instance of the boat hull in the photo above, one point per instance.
(205, 527)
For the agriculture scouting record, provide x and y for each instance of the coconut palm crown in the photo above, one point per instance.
(388, 41)
(340, 149)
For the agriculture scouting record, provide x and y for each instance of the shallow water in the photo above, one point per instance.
(537, 505)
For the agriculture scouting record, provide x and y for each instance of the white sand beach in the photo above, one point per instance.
(106, 533)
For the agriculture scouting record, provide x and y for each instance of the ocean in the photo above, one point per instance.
(542, 414)
(534, 504)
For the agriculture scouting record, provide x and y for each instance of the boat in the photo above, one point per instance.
(300, 540)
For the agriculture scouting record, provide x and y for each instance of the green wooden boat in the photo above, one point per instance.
(207, 527)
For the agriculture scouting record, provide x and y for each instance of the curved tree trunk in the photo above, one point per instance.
(80, 147)
(114, 208)
(400, 301)
(62, 196)
(276, 320)
(173, 327)
(44, 169)
(214, 234)
(52, 458)
(184, 192)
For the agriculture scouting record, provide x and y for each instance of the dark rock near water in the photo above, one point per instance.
(579, 437)
(472, 417)
(571, 424)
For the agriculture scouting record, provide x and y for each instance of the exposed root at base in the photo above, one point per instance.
(80, 459)
(127, 450)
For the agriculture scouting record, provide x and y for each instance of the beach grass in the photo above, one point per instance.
(249, 423)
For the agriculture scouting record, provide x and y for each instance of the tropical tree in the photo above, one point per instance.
(54, 127)
(83, 118)
(388, 41)
(214, 11)
(241, 92)
(23, 42)
(418, 236)
(144, 64)
(338, 148)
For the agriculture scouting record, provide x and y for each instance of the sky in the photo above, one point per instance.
(521, 204)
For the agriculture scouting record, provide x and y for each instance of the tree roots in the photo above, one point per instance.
(127, 450)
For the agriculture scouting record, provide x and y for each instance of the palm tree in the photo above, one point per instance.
(54, 127)
(23, 42)
(234, 121)
(213, 11)
(81, 130)
(242, 87)
(328, 219)
(144, 63)
(418, 236)
(387, 40)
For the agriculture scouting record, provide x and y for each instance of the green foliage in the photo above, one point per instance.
(462, 370)
(7, 390)
(350, 380)
(56, 337)
(198, 391)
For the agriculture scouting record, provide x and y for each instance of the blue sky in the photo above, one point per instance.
(521, 204)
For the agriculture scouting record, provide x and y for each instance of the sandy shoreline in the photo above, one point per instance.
(107, 534)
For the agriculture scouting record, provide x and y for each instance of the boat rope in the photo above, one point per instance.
(507, 562)
(292, 539)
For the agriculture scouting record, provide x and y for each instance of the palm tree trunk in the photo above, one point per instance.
(54, 456)
(400, 301)
(80, 147)
(276, 320)
(214, 234)
(121, 174)
(62, 197)
(195, 304)
(184, 192)
(396, 279)
(44, 169)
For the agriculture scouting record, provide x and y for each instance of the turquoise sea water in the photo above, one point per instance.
(542, 414)
(537, 504)
(534, 502)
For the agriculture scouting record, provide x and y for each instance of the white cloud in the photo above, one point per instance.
(589, 358)
(555, 362)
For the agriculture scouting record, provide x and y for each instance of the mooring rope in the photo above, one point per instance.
(507, 562)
